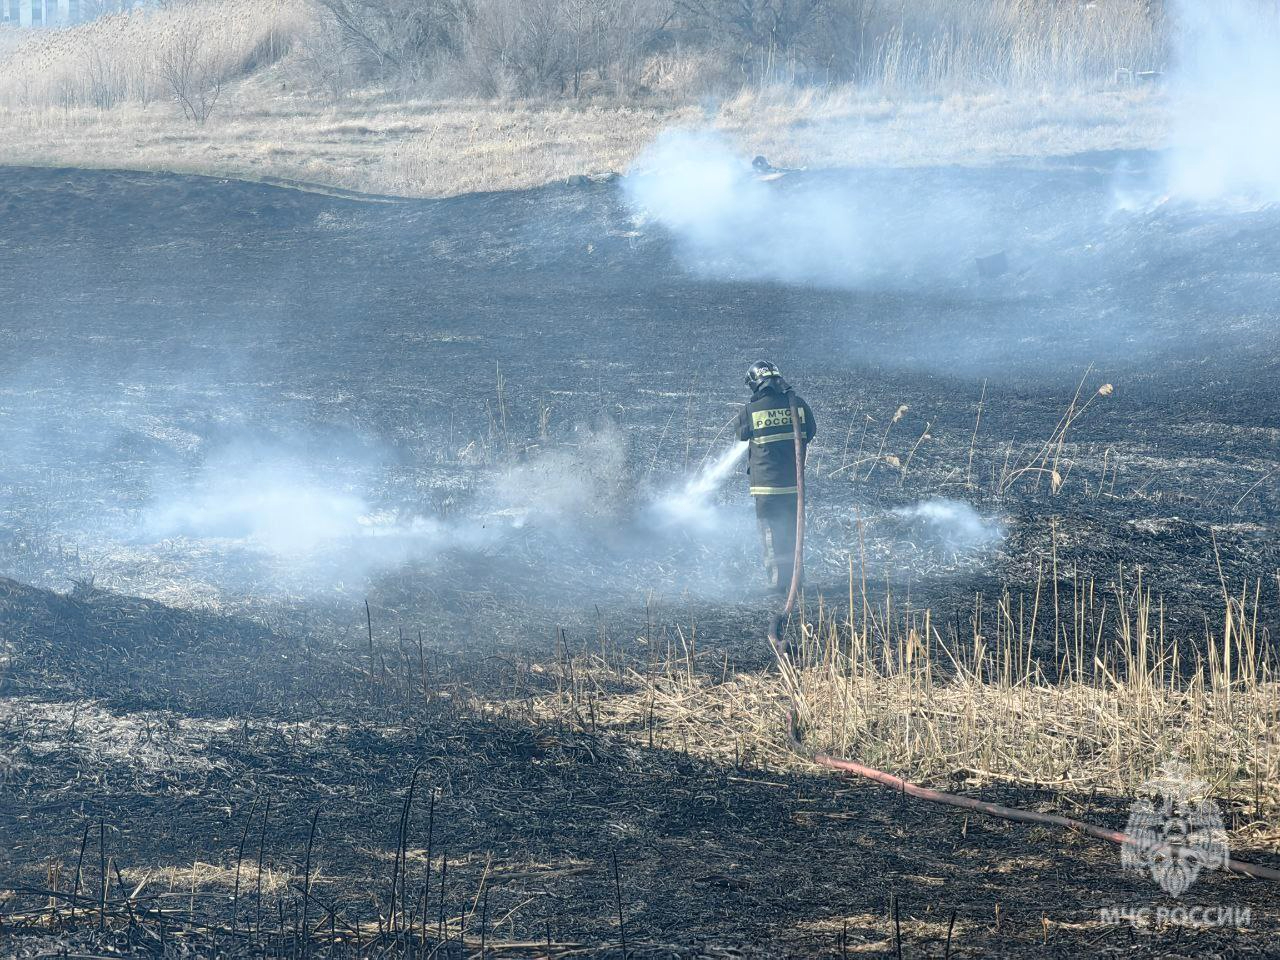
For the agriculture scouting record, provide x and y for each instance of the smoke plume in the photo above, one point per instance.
(285, 516)
(869, 229)
(1226, 84)
(312, 521)
(586, 480)
(950, 527)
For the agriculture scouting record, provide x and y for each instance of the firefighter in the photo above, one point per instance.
(765, 421)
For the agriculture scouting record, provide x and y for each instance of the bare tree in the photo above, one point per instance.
(397, 39)
(584, 22)
(764, 31)
(325, 60)
(193, 73)
(606, 38)
(845, 38)
(541, 55)
(518, 46)
(522, 47)
(632, 29)
(533, 47)
(106, 83)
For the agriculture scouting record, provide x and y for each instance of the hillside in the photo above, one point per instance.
(253, 91)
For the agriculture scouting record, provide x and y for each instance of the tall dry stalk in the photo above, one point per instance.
(884, 439)
(886, 684)
(1048, 460)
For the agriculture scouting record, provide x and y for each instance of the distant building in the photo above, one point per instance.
(55, 13)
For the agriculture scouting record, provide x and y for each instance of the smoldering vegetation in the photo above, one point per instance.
(953, 526)
(575, 518)
(293, 443)
(735, 218)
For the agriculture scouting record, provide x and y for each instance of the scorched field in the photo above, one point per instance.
(370, 587)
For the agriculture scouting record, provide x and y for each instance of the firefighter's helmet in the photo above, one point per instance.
(760, 373)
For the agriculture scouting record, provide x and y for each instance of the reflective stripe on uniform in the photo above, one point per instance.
(774, 438)
(772, 491)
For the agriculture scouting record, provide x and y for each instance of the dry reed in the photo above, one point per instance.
(1096, 695)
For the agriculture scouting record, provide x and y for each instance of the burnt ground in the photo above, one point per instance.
(502, 383)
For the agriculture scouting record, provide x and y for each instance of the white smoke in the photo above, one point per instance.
(585, 479)
(282, 518)
(857, 231)
(281, 511)
(313, 519)
(952, 526)
(1226, 84)
(304, 515)
(694, 183)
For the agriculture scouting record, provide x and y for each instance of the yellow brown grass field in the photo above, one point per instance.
(95, 96)
(1108, 706)
(445, 148)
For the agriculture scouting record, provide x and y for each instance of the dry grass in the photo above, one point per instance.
(117, 59)
(444, 148)
(1049, 461)
(95, 96)
(882, 685)
(200, 876)
(944, 45)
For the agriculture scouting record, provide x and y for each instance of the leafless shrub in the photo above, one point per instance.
(763, 37)
(395, 39)
(630, 32)
(486, 47)
(681, 72)
(193, 72)
(682, 49)
(522, 46)
(325, 60)
(559, 47)
(511, 47)
(106, 81)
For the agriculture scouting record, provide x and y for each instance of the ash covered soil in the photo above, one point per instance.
(233, 413)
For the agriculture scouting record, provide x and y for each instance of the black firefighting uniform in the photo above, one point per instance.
(771, 467)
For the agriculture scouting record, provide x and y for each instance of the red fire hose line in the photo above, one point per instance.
(924, 793)
(1021, 816)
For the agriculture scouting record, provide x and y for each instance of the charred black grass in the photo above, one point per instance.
(539, 798)
(555, 701)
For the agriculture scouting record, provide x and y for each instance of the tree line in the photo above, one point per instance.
(577, 47)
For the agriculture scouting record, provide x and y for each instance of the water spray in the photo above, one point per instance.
(711, 477)
(689, 506)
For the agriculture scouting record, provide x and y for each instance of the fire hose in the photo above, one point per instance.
(1159, 850)
(904, 787)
